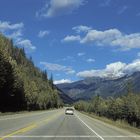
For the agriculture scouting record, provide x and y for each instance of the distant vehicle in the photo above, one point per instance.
(69, 111)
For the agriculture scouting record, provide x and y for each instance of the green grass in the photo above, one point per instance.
(118, 123)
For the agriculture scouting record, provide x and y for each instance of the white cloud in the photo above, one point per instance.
(138, 54)
(14, 31)
(101, 37)
(71, 38)
(81, 28)
(105, 3)
(67, 58)
(113, 37)
(15, 35)
(70, 72)
(109, 38)
(27, 44)
(122, 9)
(41, 34)
(88, 73)
(90, 60)
(132, 67)
(53, 67)
(6, 25)
(57, 67)
(59, 7)
(127, 42)
(81, 54)
(62, 81)
(113, 70)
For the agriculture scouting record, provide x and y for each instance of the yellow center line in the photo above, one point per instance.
(31, 126)
(19, 131)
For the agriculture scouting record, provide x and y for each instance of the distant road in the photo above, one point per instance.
(55, 125)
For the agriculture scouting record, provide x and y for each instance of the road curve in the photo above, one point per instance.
(55, 125)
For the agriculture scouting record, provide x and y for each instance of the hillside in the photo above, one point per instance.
(90, 87)
(64, 97)
(22, 85)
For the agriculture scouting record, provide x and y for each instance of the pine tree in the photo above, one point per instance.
(51, 82)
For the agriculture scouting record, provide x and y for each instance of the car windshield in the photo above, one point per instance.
(69, 109)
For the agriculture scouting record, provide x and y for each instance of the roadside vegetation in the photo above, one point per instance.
(124, 109)
(22, 85)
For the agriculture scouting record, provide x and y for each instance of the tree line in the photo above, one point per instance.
(22, 85)
(124, 108)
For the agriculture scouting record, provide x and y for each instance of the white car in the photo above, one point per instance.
(69, 111)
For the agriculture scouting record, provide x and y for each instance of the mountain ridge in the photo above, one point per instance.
(89, 87)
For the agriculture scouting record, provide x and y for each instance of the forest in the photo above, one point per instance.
(23, 86)
(125, 108)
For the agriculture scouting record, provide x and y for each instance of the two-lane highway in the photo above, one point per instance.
(55, 125)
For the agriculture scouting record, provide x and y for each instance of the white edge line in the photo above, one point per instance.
(117, 136)
(89, 127)
(68, 136)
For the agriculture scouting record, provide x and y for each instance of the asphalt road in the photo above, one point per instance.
(55, 125)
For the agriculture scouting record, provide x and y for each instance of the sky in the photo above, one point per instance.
(75, 39)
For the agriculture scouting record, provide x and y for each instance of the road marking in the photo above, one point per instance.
(129, 136)
(121, 136)
(68, 136)
(31, 126)
(23, 130)
(89, 127)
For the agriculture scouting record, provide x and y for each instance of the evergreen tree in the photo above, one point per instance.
(51, 81)
(22, 85)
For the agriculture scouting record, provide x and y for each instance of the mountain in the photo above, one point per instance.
(64, 97)
(90, 87)
(23, 86)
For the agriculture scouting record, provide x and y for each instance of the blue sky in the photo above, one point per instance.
(74, 39)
